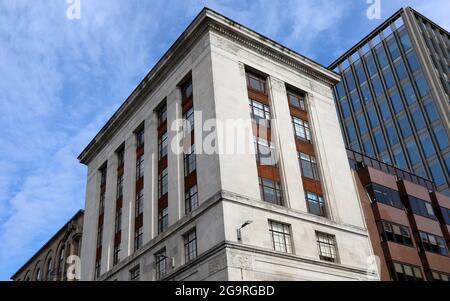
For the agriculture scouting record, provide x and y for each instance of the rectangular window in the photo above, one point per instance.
(384, 195)
(163, 220)
(308, 166)
(139, 205)
(116, 252)
(256, 82)
(297, 100)
(446, 215)
(191, 199)
(120, 156)
(188, 117)
(280, 235)
(187, 90)
(119, 186)
(97, 269)
(395, 233)
(405, 272)
(101, 206)
(265, 152)
(138, 238)
(135, 274)
(162, 145)
(433, 243)
(162, 114)
(438, 276)
(162, 183)
(260, 113)
(190, 246)
(161, 264)
(301, 129)
(99, 236)
(327, 246)
(189, 161)
(118, 221)
(140, 167)
(140, 138)
(270, 191)
(316, 204)
(421, 207)
(103, 176)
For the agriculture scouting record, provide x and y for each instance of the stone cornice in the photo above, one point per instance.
(206, 21)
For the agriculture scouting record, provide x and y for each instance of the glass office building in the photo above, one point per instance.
(394, 99)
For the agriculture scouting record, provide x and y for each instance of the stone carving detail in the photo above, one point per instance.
(277, 84)
(241, 261)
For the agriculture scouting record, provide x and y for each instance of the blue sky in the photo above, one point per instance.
(61, 79)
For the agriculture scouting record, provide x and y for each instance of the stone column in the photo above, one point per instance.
(150, 178)
(109, 214)
(175, 165)
(284, 139)
(129, 191)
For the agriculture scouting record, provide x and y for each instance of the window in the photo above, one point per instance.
(349, 80)
(427, 145)
(433, 243)
(370, 63)
(388, 78)
(191, 199)
(190, 245)
(101, 206)
(351, 131)
(438, 276)
(393, 48)
(38, 275)
(396, 102)
(162, 114)
(378, 88)
(135, 274)
(366, 93)
(140, 167)
(368, 148)
(139, 205)
(395, 233)
(379, 141)
(161, 264)
(187, 90)
(410, 95)
(270, 191)
(256, 82)
(308, 166)
(97, 269)
(61, 259)
(327, 247)
(163, 183)
(189, 161)
(103, 175)
(301, 129)
(373, 118)
(405, 272)
(138, 238)
(188, 117)
(413, 62)
(404, 126)
(362, 124)
(401, 70)
(120, 156)
(163, 220)
(436, 172)
(422, 85)
(384, 109)
(265, 152)
(360, 72)
(345, 108)
(162, 145)
(99, 236)
(421, 207)
(441, 137)
(297, 100)
(49, 276)
(280, 235)
(431, 111)
(418, 120)
(413, 152)
(381, 194)
(446, 215)
(116, 252)
(399, 158)
(391, 133)
(260, 113)
(119, 186)
(316, 204)
(118, 221)
(140, 138)
(404, 40)
(356, 103)
(381, 54)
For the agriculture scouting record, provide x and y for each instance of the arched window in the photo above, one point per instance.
(49, 276)
(62, 255)
(38, 275)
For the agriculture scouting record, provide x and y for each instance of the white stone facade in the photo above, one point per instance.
(215, 52)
